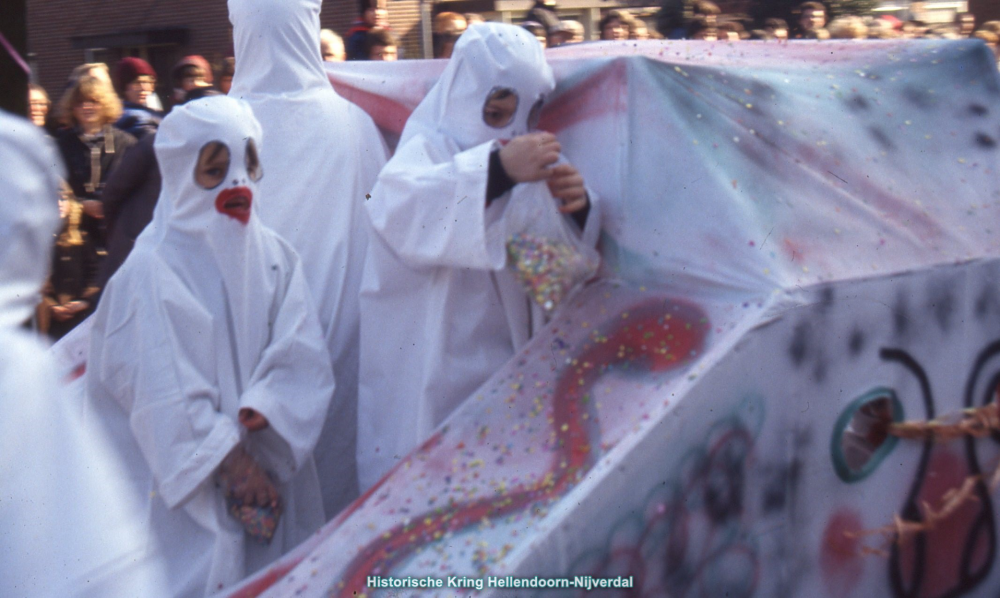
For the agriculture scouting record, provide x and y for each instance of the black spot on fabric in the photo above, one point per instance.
(826, 299)
(858, 103)
(941, 302)
(918, 97)
(986, 303)
(985, 141)
(819, 369)
(901, 316)
(978, 110)
(856, 342)
(881, 138)
(799, 347)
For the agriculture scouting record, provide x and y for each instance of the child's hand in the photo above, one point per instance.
(528, 157)
(566, 185)
(243, 479)
(61, 313)
(252, 420)
(93, 208)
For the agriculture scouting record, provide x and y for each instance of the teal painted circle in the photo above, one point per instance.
(844, 472)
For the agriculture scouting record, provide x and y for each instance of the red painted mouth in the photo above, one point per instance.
(235, 203)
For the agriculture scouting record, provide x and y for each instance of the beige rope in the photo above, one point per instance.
(976, 422)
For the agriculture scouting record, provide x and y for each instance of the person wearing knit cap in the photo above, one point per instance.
(191, 73)
(135, 80)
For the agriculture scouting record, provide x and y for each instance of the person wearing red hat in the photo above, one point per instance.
(191, 78)
(135, 80)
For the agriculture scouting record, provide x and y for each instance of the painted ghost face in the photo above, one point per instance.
(492, 89)
(213, 167)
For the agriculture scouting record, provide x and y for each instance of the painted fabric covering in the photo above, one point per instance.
(791, 231)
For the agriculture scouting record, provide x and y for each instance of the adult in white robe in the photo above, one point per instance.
(440, 312)
(209, 316)
(63, 512)
(323, 155)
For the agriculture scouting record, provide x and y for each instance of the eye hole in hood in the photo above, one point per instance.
(213, 165)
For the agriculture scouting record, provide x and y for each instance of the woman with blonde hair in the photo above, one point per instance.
(90, 146)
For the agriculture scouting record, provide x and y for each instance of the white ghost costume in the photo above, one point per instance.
(323, 155)
(440, 312)
(63, 511)
(210, 314)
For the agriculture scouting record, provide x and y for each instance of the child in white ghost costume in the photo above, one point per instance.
(440, 311)
(323, 155)
(207, 361)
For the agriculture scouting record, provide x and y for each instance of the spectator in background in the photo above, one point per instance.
(544, 13)
(538, 30)
(38, 104)
(471, 18)
(70, 295)
(812, 17)
(613, 27)
(381, 44)
(98, 70)
(777, 28)
(992, 41)
(90, 147)
(373, 14)
(637, 30)
(331, 46)
(671, 20)
(965, 23)
(136, 79)
(570, 32)
(190, 74)
(229, 68)
(707, 12)
(731, 30)
(848, 27)
(700, 30)
(993, 26)
(447, 28)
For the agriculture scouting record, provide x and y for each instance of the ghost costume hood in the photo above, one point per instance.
(28, 218)
(440, 310)
(210, 314)
(62, 507)
(487, 57)
(322, 156)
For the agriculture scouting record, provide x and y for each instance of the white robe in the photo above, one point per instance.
(63, 511)
(322, 156)
(440, 312)
(208, 316)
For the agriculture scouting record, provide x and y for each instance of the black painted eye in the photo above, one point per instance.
(212, 166)
(254, 169)
(861, 438)
(500, 107)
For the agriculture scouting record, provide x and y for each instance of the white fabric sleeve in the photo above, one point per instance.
(429, 206)
(167, 384)
(293, 383)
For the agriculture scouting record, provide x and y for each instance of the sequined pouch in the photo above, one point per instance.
(544, 248)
